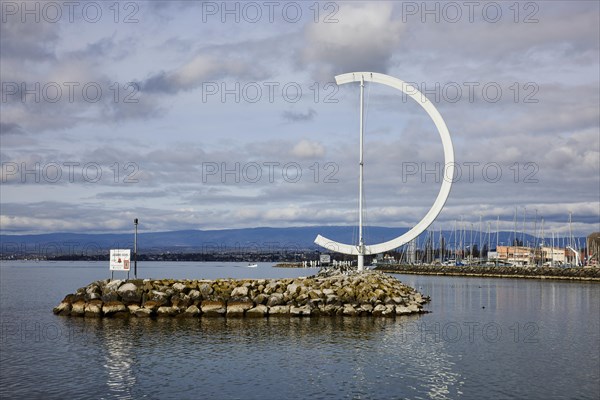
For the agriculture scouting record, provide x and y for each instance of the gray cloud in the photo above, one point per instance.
(10, 128)
(299, 116)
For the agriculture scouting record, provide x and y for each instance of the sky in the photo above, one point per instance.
(216, 115)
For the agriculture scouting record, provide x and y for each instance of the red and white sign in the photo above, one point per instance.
(120, 259)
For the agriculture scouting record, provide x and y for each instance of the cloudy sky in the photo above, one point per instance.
(212, 115)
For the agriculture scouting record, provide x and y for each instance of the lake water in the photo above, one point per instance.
(484, 338)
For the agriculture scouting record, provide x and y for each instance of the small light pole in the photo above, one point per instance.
(135, 222)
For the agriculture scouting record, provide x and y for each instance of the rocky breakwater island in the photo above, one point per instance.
(328, 293)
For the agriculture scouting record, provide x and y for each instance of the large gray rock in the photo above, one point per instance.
(332, 299)
(133, 308)
(379, 310)
(191, 311)
(259, 311)
(399, 300)
(414, 308)
(205, 290)
(349, 310)
(78, 308)
(366, 307)
(275, 299)
(301, 299)
(93, 309)
(64, 308)
(143, 312)
(328, 309)
(293, 289)
(390, 311)
(107, 297)
(300, 311)
(270, 287)
(165, 311)
(159, 297)
(213, 308)
(194, 295)
(130, 293)
(152, 305)
(178, 286)
(240, 292)
(93, 292)
(113, 308)
(181, 300)
(261, 298)
(315, 294)
(418, 298)
(279, 310)
(402, 310)
(112, 286)
(238, 308)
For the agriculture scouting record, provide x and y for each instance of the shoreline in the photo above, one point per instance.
(329, 293)
(572, 274)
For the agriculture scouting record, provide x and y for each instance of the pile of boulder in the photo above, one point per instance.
(329, 293)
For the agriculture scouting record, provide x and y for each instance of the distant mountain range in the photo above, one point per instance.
(209, 241)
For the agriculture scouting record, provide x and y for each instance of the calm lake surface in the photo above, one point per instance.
(484, 338)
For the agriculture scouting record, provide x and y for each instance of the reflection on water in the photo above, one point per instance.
(118, 360)
(427, 363)
(313, 357)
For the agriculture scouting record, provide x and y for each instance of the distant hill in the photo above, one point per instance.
(248, 239)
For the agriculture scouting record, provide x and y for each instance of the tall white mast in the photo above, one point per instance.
(542, 242)
(523, 233)
(552, 259)
(570, 229)
(488, 242)
(361, 242)
(497, 238)
(515, 241)
(441, 245)
(455, 250)
(480, 242)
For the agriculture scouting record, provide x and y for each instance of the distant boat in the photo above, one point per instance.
(252, 265)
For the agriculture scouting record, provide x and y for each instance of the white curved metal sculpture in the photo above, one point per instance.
(361, 249)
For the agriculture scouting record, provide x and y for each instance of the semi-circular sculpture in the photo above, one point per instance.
(448, 175)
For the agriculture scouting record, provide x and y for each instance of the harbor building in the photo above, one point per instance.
(593, 249)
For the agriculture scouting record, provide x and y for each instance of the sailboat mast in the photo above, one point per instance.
(488, 242)
(497, 237)
(480, 242)
(570, 229)
(497, 231)
(361, 243)
(441, 246)
(542, 243)
(455, 252)
(552, 259)
(523, 232)
(515, 240)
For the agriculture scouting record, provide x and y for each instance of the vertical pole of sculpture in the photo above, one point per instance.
(135, 222)
(361, 243)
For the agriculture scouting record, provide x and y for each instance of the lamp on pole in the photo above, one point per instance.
(135, 222)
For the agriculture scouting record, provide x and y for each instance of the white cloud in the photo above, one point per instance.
(364, 38)
(307, 149)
